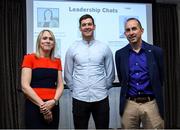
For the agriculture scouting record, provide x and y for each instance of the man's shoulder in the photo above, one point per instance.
(123, 49)
(75, 44)
(101, 45)
(154, 47)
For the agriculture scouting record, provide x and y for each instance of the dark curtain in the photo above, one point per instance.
(12, 48)
(166, 36)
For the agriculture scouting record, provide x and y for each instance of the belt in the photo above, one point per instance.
(141, 99)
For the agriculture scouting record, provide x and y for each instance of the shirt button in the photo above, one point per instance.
(137, 73)
(137, 83)
(136, 63)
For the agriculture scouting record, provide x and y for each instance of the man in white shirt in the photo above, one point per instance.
(89, 73)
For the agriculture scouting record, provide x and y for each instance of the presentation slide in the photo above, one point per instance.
(62, 17)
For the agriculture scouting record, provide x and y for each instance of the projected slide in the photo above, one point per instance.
(62, 17)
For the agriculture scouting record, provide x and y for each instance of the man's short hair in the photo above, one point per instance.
(85, 17)
(139, 23)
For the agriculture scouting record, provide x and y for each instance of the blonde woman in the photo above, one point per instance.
(42, 83)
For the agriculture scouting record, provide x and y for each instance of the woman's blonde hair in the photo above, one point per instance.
(38, 41)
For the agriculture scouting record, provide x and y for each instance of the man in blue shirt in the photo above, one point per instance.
(89, 73)
(140, 73)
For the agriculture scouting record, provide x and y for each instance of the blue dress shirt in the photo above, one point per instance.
(139, 79)
(89, 70)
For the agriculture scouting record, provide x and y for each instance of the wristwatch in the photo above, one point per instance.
(56, 102)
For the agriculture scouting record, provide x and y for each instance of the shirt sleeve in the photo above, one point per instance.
(109, 68)
(27, 61)
(59, 64)
(68, 69)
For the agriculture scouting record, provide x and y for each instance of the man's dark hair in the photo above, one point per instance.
(85, 17)
(139, 23)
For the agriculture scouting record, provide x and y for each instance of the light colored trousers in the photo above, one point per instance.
(145, 114)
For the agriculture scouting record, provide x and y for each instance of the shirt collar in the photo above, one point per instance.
(142, 47)
(90, 42)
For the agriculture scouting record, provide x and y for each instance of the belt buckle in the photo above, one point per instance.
(142, 99)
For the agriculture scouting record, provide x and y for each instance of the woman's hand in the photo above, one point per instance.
(49, 104)
(48, 117)
(46, 113)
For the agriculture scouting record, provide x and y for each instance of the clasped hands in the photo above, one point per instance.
(46, 108)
